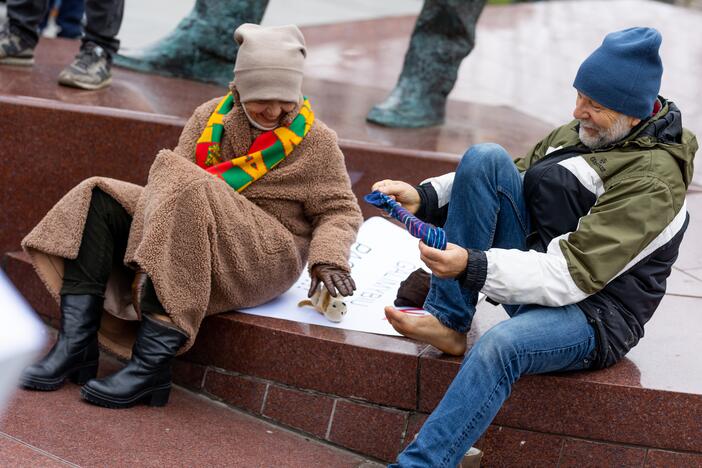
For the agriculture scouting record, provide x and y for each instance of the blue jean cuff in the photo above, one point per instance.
(445, 321)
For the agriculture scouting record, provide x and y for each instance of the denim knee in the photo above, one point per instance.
(496, 349)
(483, 157)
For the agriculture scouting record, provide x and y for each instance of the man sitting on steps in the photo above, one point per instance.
(576, 239)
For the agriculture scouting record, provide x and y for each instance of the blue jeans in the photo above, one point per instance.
(487, 210)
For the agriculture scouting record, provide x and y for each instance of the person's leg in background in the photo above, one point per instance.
(91, 67)
(20, 35)
(70, 19)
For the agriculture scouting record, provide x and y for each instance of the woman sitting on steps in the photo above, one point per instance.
(255, 188)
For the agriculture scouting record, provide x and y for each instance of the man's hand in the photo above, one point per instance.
(404, 193)
(447, 263)
(333, 279)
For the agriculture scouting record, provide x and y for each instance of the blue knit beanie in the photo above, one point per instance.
(624, 73)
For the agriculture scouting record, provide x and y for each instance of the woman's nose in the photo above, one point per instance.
(272, 111)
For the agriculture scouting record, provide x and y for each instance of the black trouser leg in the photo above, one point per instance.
(104, 244)
(149, 301)
(24, 17)
(103, 20)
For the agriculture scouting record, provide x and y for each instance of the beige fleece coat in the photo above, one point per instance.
(207, 248)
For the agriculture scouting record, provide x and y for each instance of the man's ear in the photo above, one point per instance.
(633, 122)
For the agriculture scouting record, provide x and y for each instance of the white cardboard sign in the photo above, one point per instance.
(383, 256)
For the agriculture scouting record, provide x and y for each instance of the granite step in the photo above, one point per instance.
(371, 393)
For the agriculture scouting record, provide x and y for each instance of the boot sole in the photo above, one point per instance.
(154, 396)
(88, 86)
(78, 375)
(17, 61)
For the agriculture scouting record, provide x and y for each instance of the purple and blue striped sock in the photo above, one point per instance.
(431, 235)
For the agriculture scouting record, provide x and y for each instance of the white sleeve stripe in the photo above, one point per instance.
(518, 277)
(661, 239)
(443, 186)
(585, 174)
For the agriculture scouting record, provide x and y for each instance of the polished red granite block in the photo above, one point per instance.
(75, 142)
(665, 459)
(129, 90)
(414, 424)
(368, 429)
(629, 415)
(239, 391)
(188, 374)
(308, 412)
(468, 122)
(376, 368)
(189, 431)
(16, 454)
(503, 446)
(586, 454)
(651, 398)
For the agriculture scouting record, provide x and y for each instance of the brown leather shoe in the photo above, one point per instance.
(138, 291)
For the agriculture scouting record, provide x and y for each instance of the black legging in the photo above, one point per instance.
(103, 246)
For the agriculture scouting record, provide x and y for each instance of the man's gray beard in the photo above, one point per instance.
(618, 130)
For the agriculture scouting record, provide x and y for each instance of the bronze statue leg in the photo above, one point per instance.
(443, 35)
(201, 47)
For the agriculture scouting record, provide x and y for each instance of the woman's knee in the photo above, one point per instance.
(485, 157)
(103, 204)
(101, 200)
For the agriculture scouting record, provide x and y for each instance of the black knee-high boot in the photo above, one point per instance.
(147, 376)
(75, 353)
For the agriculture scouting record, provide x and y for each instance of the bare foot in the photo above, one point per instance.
(427, 329)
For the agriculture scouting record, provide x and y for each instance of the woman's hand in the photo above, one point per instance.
(404, 193)
(333, 278)
(447, 263)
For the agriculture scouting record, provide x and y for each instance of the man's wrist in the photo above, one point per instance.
(475, 273)
(461, 277)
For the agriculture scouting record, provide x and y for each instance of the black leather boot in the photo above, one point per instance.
(75, 353)
(147, 376)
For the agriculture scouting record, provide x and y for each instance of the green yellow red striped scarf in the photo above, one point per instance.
(266, 152)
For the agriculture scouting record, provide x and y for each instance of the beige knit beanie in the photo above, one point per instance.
(269, 62)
